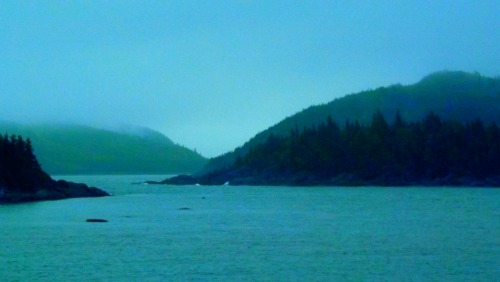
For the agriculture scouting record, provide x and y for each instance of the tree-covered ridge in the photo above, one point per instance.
(19, 168)
(455, 95)
(430, 151)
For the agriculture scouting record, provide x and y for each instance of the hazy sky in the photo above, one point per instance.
(211, 74)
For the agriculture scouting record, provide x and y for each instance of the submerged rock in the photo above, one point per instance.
(96, 220)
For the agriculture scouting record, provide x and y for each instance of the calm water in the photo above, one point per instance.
(254, 233)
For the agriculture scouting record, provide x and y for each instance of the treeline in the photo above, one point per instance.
(19, 168)
(454, 95)
(397, 153)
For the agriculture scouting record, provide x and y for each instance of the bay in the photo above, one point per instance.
(224, 233)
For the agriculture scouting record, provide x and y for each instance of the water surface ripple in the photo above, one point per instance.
(168, 233)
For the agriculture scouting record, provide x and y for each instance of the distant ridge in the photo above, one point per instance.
(141, 131)
(454, 95)
(77, 149)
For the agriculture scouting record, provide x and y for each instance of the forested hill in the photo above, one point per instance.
(431, 152)
(454, 95)
(74, 149)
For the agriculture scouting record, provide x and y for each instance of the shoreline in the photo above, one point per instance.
(340, 181)
(56, 190)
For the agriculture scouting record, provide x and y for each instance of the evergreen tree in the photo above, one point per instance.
(414, 151)
(19, 168)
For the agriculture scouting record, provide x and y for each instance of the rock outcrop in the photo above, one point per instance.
(52, 190)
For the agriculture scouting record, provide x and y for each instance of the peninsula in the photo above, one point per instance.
(23, 180)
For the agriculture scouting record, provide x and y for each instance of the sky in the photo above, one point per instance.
(212, 74)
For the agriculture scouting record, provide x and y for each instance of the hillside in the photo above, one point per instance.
(457, 96)
(430, 152)
(72, 149)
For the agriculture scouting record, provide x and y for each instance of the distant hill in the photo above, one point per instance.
(454, 95)
(75, 149)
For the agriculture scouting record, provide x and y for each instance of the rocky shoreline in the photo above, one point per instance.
(53, 190)
(304, 179)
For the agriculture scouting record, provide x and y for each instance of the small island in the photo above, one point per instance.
(23, 180)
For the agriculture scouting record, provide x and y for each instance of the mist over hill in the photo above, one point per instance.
(77, 149)
(454, 95)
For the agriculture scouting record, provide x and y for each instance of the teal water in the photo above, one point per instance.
(254, 234)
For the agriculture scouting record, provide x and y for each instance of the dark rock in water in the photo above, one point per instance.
(184, 209)
(96, 220)
(178, 180)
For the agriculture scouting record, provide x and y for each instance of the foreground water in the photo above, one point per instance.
(167, 233)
